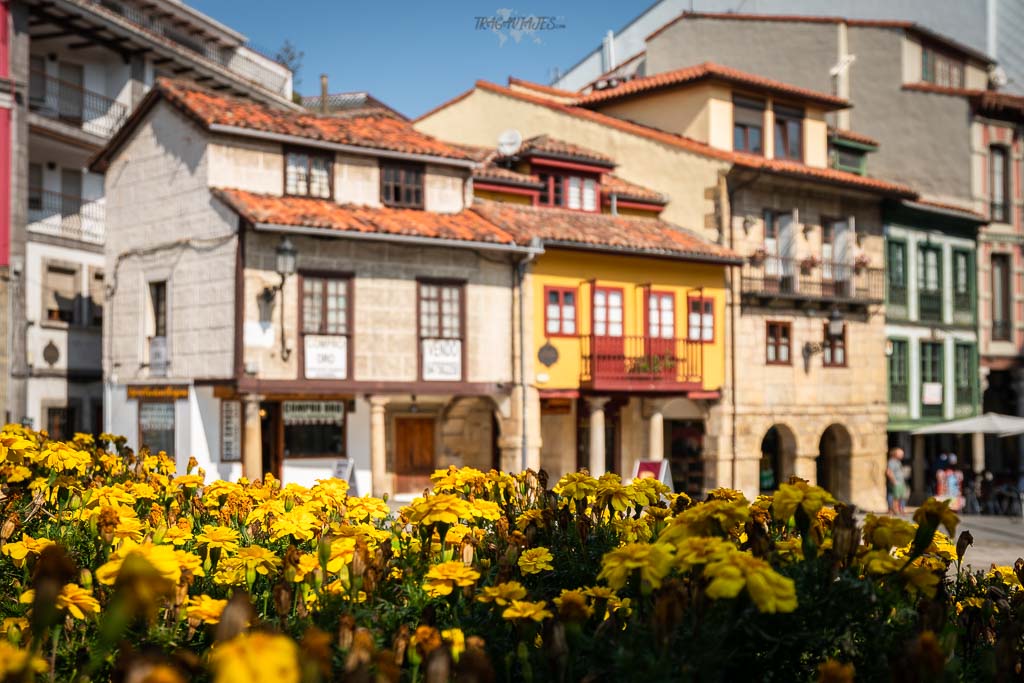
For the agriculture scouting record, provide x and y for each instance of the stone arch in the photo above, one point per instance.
(833, 464)
(470, 429)
(778, 457)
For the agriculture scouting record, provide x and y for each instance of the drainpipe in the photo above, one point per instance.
(535, 248)
(613, 201)
(323, 94)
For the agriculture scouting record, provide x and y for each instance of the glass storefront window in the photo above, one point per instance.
(156, 426)
(314, 429)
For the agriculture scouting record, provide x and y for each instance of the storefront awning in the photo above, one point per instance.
(989, 423)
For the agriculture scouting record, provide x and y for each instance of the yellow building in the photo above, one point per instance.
(624, 319)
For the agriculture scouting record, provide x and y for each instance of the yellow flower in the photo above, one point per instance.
(73, 599)
(189, 562)
(443, 578)
(14, 662)
(62, 457)
(932, 513)
(647, 491)
(25, 547)
(653, 561)
(632, 530)
(204, 609)
(923, 575)
(612, 494)
(521, 610)
(300, 524)
(535, 560)
(218, 537)
(177, 535)
(456, 640)
(800, 494)
(886, 532)
(129, 527)
(188, 481)
(308, 563)
(576, 486)
(502, 593)
(161, 558)
(880, 562)
(710, 518)
(485, 509)
(700, 550)
(831, 671)
(443, 508)
(259, 559)
(769, 590)
(14, 448)
(342, 552)
(256, 658)
(1005, 574)
(361, 509)
(572, 605)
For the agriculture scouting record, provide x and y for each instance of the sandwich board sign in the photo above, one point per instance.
(654, 469)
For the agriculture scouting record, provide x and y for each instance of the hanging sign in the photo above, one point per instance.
(172, 391)
(313, 412)
(442, 360)
(231, 431)
(326, 356)
(931, 393)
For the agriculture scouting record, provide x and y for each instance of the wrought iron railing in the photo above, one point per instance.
(629, 361)
(897, 295)
(1001, 330)
(64, 215)
(74, 105)
(929, 304)
(809, 279)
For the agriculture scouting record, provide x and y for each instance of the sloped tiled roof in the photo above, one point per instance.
(562, 227)
(541, 88)
(992, 101)
(611, 183)
(710, 71)
(327, 214)
(349, 102)
(853, 136)
(503, 175)
(547, 146)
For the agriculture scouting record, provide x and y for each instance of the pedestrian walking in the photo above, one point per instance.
(895, 482)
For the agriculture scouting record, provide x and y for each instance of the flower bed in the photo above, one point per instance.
(115, 567)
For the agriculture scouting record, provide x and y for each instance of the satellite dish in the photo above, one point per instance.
(997, 76)
(509, 142)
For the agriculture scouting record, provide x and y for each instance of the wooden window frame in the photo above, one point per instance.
(703, 300)
(561, 306)
(1005, 206)
(930, 56)
(647, 314)
(769, 325)
(905, 342)
(593, 307)
(440, 282)
(752, 105)
(970, 278)
(829, 344)
(403, 168)
(1007, 287)
(557, 187)
(972, 380)
(901, 245)
(325, 275)
(309, 153)
(787, 115)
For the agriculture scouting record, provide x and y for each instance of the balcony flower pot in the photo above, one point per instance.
(861, 263)
(758, 257)
(808, 263)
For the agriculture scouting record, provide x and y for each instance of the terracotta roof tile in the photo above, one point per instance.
(601, 231)
(373, 131)
(787, 168)
(503, 175)
(329, 215)
(546, 146)
(706, 71)
(853, 136)
(956, 208)
(991, 101)
(542, 89)
(611, 183)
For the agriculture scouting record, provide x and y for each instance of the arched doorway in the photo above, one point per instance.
(778, 453)
(833, 463)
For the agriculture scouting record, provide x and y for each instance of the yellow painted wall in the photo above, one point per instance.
(562, 268)
(507, 197)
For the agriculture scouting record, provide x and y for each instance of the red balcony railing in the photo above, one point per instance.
(638, 363)
(74, 105)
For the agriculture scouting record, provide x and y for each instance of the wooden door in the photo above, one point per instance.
(414, 446)
(607, 330)
(72, 98)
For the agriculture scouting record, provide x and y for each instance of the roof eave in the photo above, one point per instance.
(651, 253)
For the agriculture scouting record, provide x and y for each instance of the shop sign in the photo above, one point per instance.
(442, 360)
(231, 431)
(345, 469)
(326, 356)
(654, 469)
(313, 412)
(931, 393)
(164, 391)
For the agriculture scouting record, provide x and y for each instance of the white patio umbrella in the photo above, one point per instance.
(989, 423)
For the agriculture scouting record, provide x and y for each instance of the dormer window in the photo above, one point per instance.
(941, 68)
(307, 174)
(748, 125)
(789, 129)
(401, 185)
(569, 191)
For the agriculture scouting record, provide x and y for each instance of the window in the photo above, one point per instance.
(848, 159)
(896, 272)
(941, 69)
(325, 327)
(701, 325)
(401, 185)
(569, 191)
(963, 280)
(440, 329)
(156, 426)
(35, 187)
(589, 194)
(661, 315)
(778, 344)
(551, 194)
(560, 311)
(965, 365)
(898, 372)
(789, 133)
(1001, 294)
(308, 174)
(931, 378)
(158, 306)
(607, 312)
(60, 290)
(748, 125)
(929, 282)
(313, 428)
(834, 349)
(999, 180)
(96, 296)
(61, 422)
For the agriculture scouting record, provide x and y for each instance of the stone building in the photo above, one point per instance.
(805, 388)
(77, 68)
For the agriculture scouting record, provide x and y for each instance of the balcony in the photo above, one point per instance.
(638, 363)
(929, 305)
(67, 216)
(774, 277)
(74, 105)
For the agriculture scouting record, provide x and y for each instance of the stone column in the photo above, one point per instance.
(978, 451)
(918, 469)
(252, 438)
(656, 430)
(379, 445)
(597, 446)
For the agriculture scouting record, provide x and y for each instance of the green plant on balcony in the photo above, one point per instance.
(652, 365)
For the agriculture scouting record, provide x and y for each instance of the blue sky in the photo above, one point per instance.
(414, 55)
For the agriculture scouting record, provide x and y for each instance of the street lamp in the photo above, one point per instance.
(286, 256)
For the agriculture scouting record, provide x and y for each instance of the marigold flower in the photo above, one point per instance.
(362, 509)
(204, 609)
(1003, 573)
(769, 590)
(256, 658)
(700, 550)
(341, 554)
(161, 558)
(221, 537)
(442, 579)
(572, 605)
(258, 559)
(73, 599)
(576, 486)
(301, 524)
(612, 494)
(176, 535)
(933, 512)
(443, 508)
(14, 662)
(801, 494)
(26, 546)
(521, 610)
(62, 457)
(502, 593)
(654, 561)
(535, 560)
(886, 532)
(485, 509)
(710, 518)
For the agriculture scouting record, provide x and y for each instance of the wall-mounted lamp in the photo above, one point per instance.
(285, 265)
(413, 408)
(748, 223)
(834, 330)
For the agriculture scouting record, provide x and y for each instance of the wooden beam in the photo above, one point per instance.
(181, 70)
(48, 36)
(162, 60)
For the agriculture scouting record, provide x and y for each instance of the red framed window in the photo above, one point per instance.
(569, 191)
(778, 343)
(834, 350)
(661, 315)
(701, 324)
(608, 312)
(560, 311)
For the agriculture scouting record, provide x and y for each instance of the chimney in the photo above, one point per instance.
(323, 93)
